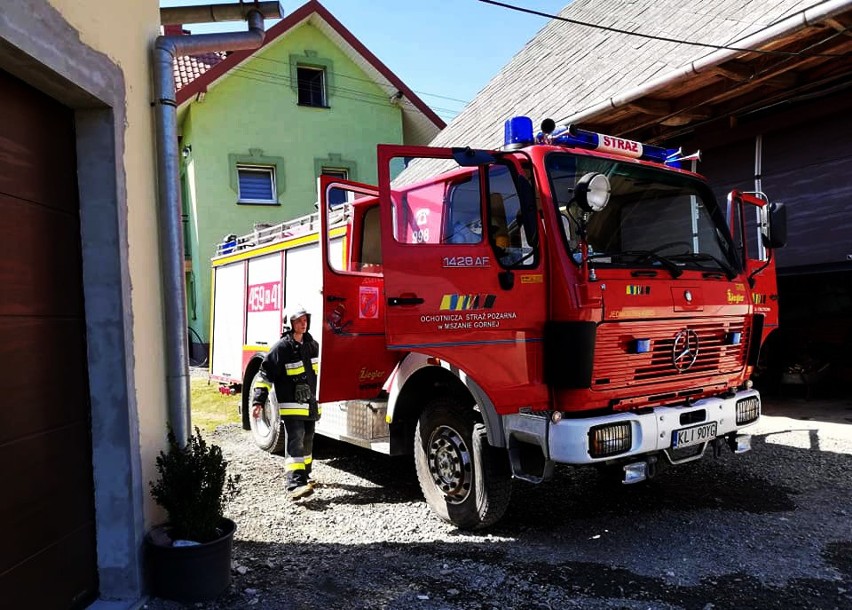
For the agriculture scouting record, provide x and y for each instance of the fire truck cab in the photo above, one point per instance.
(572, 298)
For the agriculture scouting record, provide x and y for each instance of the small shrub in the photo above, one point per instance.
(193, 487)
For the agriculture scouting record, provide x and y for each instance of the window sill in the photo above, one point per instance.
(244, 202)
(313, 106)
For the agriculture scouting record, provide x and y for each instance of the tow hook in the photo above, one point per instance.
(740, 443)
(640, 471)
(652, 466)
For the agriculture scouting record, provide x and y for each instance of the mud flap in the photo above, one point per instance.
(527, 442)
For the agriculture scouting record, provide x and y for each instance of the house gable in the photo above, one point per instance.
(420, 122)
(251, 120)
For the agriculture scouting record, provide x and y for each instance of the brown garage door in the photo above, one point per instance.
(47, 553)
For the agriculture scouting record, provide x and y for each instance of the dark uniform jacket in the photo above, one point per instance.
(288, 365)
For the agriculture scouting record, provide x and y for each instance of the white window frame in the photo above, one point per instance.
(340, 173)
(267, 169)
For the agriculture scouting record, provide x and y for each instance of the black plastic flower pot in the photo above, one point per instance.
(194, 573)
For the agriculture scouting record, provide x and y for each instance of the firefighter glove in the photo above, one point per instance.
(260, 395)
(303, 393)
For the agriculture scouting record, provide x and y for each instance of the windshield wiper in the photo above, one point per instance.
(701, 256)
(642, 256)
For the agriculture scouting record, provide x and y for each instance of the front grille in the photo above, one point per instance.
(617, 365)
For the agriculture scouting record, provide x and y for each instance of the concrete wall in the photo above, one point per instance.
(253, 110)
(125, 33)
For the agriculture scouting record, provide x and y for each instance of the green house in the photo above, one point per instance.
(257, 128)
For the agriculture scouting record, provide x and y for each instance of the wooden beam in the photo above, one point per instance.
(838, 25)
(651, 106)
(735, 71)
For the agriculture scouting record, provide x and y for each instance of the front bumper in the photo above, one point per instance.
(651, 432)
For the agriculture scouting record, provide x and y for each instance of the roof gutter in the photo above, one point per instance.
(165, 50)
(795, 22)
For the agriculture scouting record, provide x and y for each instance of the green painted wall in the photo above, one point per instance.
(253, 112)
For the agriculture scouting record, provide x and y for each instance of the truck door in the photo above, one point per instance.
(749, 216)
(463, 270)
(354, 362)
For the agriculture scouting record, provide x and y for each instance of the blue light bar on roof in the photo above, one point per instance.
(574, 136)
(518, 132)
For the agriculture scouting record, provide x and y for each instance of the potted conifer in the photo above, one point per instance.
(189, 557)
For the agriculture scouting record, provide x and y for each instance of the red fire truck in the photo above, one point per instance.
(571, 298)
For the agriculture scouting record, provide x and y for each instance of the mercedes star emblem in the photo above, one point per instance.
(685, 349)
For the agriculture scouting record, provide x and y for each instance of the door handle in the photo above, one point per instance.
(397, 301)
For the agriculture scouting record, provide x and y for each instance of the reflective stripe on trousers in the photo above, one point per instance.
(299, 456)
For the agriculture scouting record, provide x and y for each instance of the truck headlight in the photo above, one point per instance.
(748, 410)
(610, 439)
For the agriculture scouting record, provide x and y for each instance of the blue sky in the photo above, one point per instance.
(439, 48)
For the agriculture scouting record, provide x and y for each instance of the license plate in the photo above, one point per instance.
(685, 437)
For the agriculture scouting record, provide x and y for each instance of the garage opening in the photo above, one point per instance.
(47, 502)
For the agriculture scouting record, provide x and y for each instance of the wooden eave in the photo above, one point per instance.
(813, 61)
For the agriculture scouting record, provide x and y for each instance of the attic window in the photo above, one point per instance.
(311, 86)
(256, 184)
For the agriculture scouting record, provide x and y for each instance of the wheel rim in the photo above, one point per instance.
(449, 462)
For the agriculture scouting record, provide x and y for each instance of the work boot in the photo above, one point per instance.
(300, 492)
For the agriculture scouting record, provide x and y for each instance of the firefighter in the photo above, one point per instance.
(291, 368)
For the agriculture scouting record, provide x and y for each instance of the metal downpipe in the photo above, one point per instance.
(166, 49)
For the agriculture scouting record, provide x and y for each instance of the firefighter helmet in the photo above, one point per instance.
(297, 311)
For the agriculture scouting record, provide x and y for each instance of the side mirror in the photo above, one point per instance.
(777, 221)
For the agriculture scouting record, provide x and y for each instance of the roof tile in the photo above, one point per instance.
(189, 67)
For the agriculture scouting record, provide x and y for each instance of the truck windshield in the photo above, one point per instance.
(654, 218)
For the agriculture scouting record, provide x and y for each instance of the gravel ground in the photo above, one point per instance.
(768, 529)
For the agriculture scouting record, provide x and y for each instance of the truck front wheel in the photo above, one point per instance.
(267, 430)
(464, 480)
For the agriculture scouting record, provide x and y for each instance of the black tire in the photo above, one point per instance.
(464, 480)
(267, 429)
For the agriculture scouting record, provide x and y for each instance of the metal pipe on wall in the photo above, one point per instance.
(211, 13)
(165, 50)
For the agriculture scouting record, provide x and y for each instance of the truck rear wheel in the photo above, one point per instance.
(464, 480)
(267, 429)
